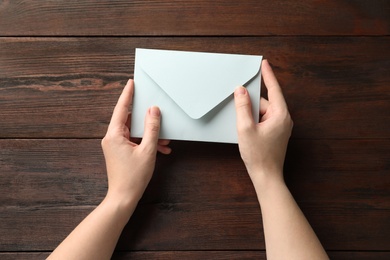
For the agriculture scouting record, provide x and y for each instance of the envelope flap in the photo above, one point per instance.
(197, 81)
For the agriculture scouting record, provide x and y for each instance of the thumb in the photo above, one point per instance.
(243, 109)
(151, 129)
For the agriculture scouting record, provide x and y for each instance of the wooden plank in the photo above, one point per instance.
(153, 227)
(204, 254)
(239, 255)
(65, 173)
(160, 255)
(67, 87)
(191, 226)
(200, 197)
(194, 17)
(51, 172)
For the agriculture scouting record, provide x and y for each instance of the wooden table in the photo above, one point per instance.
(63, 65)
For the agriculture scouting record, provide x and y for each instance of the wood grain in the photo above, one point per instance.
(194, 17)
(67, 87)
(200, 197)
(64, 63)
(161, 255)
(190, 226)
(70, 170)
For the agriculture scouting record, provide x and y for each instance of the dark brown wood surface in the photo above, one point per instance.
(219, 255)
(64, 63)
(194, 17)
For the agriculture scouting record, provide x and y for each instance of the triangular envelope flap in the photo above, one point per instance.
(197, 81)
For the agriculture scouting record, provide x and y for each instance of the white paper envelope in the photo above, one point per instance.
(194, 91)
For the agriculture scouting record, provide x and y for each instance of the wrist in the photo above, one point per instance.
(122, 206)
(265, 180)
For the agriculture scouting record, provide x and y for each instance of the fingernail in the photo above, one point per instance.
(154, 111)
(240, 90)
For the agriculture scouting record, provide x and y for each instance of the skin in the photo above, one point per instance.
(263, 145)
(129, 169)
(130, 166)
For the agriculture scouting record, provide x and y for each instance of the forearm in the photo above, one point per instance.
(96, 236)
(288, 235)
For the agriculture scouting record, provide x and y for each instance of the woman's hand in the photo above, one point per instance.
(129, 168)
(263, 145)
(130, 165)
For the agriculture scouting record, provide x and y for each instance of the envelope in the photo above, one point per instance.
(194, 91)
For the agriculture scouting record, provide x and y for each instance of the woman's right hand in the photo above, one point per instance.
(263, 145)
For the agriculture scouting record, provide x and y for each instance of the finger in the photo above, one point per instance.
(151, 129)
(163, 141)
(121, 110)
(275, 94)
(164, 149)
(264, 104)
(243, 109)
